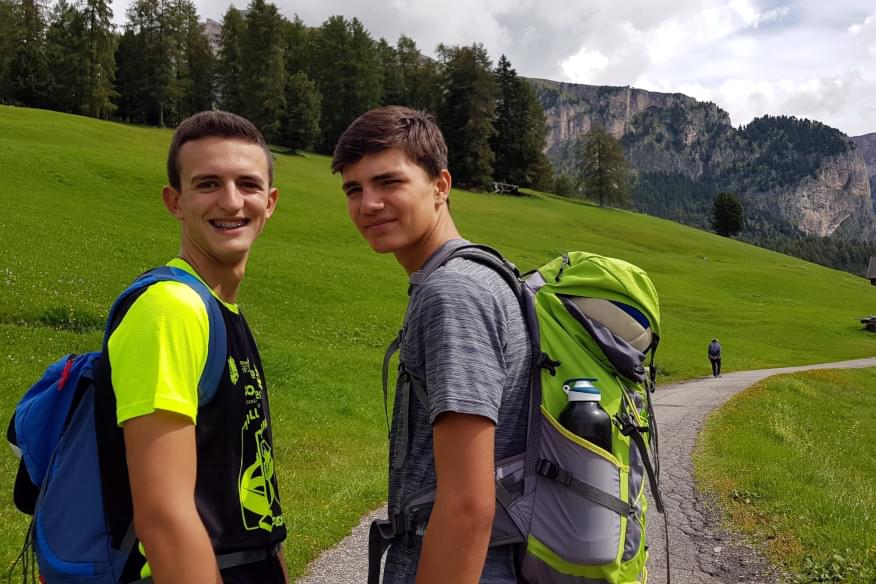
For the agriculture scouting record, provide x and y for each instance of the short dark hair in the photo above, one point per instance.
(415, 132)
(210, 123)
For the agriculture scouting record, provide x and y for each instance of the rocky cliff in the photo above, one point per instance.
(866, 145)
(788, 171)
(836, 201)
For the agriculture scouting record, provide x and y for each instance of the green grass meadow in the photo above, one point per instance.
(82, 216)
(793, 462)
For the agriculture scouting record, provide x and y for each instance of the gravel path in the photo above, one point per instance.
(701, 551)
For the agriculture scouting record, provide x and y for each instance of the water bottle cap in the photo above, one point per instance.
(581, 390)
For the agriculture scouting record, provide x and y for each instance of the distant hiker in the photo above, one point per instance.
(202, 481)
(464, 355)
(715, 357)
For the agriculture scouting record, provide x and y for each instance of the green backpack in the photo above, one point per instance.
(576, 511)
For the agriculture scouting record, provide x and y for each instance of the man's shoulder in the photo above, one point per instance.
(171, 297)
(469, 279)
(163, 306)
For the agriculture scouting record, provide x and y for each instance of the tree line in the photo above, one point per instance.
(301, 85)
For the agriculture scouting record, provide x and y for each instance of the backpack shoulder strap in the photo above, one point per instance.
(217, 347)
(490, 257)
(391, 350)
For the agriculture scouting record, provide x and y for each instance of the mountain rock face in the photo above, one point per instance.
(798, 174)
(866, 144)
(836, 201)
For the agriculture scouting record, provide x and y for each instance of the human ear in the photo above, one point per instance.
(442, 187)
(171, 201)
(273, 195)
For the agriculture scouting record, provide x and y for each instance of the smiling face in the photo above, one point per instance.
(397, 207)
(223, 202)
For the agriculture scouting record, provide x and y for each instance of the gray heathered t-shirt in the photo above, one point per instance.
(464, 336)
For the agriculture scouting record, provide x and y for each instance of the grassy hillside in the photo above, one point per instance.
(793, 465)
(82, 216)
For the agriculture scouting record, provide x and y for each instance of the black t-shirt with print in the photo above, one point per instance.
(236, 490)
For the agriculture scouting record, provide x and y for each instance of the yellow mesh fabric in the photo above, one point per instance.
(183, 265)
(159, 350)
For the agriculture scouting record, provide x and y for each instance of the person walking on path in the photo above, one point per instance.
(464, 352)
(715, 357)
(202, 482)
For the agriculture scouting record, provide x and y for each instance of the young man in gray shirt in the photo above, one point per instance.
(464, 370)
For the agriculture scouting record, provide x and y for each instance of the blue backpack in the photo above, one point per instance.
(59, 478)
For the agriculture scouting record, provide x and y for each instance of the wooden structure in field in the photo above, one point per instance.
(869, 322)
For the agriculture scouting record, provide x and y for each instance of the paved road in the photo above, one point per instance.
(701, 552)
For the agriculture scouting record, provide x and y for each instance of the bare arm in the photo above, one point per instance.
(455, 545)
(162, 465)
(282, 558)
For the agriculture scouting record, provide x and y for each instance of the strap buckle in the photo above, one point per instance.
(547, 469)
(544, 361)
(635, 512)
(627, 427)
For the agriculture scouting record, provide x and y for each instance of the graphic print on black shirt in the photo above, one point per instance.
(256, 484)
(237, 492)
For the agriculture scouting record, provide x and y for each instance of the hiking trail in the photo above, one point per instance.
(701, 550)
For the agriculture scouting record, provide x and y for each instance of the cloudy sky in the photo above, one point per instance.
(808, 58)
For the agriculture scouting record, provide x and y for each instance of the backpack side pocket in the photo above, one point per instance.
(71, 538)
(568, 527)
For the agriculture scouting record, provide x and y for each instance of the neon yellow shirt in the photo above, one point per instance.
(159, 350)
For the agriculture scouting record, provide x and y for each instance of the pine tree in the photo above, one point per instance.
(331, 51)
(164, 49)
(229, 65)
(129, 75)
(202, 66)
(727, 215)
(100, 58)
(300, 128)
(262, 49)
(299, 49)
(67, 56)
(29, 76)
(520, 131)
(142, 64)
(466, 114)
(421, 77)
(346, 70)
(8, 33)
(563, 186)
(604, 174)
(197, 67)
(365, 73)
(303, 101)
(174, 71)
(393, 90)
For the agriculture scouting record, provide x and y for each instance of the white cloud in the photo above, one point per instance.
(752, 17)
(820, 98)
(584, 65)
(774, 15)
(856, 28)
(666, 41)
